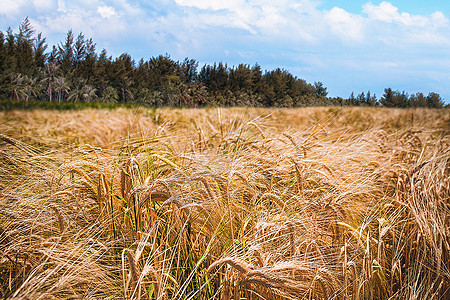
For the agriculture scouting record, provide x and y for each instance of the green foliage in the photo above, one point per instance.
(74, 72)
(110, 94)
(8, 105)
(396, 99)
(320, 90)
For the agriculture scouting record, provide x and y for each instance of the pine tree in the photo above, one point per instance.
(388, 99)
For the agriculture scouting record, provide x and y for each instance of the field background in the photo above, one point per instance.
(236, 203)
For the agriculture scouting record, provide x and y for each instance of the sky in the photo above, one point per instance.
(348, 45)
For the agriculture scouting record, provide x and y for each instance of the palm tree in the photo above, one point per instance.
(82, 92)
(17, 85)
(31, 87)
(110, 94)
(76, 94)
(61, 87)
(51, 68)
(89, 93)
(25, 86)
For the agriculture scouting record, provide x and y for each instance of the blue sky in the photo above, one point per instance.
(348, 45)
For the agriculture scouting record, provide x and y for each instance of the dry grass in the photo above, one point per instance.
(314, 203)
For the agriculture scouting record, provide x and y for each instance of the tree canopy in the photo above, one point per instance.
(74, 71)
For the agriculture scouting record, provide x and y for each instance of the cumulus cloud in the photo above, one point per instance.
(106, 11)
(297, 24)
(303, 21)
(276, 20)
(438, 19)
(294, 23)
(391, 26)
(387, 12)
(346, 25)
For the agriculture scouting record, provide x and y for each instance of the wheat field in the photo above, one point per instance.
(236, 203)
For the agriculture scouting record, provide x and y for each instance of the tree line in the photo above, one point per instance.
(73, 71)
(393, 98)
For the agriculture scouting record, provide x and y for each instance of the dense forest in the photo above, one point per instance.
(73, 71)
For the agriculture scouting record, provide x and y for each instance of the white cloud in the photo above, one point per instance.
(267, 19)
(346, 25)
(11, 7)
(211, 4)
(106, 11)
(387, 12)
(63, 22)
(188, 24)
(402, 29)
(296, 22)
(438, 19)
(61, 6)
(44, 5)
(383, 12)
